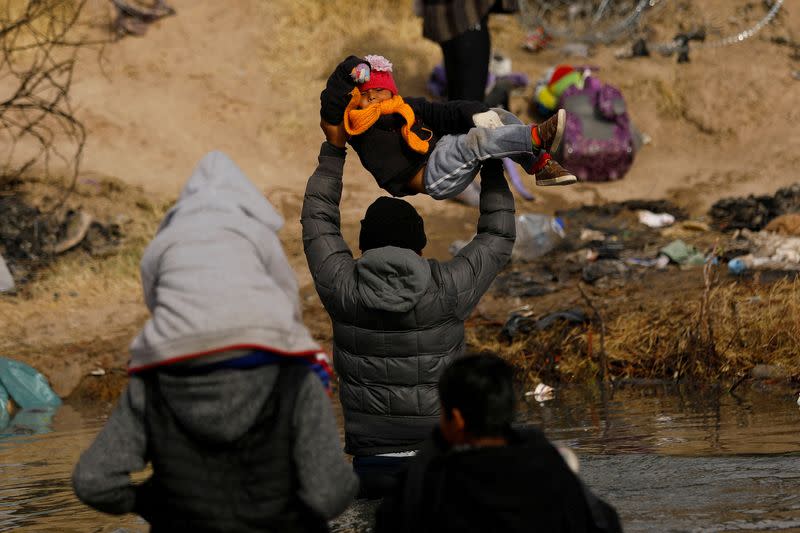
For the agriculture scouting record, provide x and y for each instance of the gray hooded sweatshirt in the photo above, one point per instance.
(398, 319)
(215, 276)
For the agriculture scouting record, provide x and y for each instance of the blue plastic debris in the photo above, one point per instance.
(27, 387)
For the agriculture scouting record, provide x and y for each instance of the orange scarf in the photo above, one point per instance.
(357, 121)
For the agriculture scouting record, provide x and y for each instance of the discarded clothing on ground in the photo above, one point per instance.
(754, 212)
(30, 238)
(133, 16)
(604, 268)
(520, 322)
(655, 220)
(683, 254)
(530, 282)
(768, 251)
(788, 224)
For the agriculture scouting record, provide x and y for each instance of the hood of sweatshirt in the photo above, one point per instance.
(215, 276)
(392, 279)
(217, 184)
(221, 406)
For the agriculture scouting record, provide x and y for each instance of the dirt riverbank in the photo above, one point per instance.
(244, 77)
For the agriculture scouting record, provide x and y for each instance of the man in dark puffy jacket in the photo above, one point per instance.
(398, 319)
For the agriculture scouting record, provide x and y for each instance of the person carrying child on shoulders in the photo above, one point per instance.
(227, 396)
(415, 146)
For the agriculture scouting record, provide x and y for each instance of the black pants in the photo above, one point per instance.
(466, 63)
(377, 474)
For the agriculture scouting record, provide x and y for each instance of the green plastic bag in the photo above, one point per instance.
(27, 387)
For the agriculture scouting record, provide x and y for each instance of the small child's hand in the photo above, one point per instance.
(487, 119)
(360, 73)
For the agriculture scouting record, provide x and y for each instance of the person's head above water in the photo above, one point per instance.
(477, 400)
(392, 222)
(380, 86)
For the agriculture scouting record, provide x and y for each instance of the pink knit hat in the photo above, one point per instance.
(380, 76)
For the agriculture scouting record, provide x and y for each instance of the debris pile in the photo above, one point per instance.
(30, 239)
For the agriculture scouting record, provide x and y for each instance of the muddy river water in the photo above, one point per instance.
(669, 458)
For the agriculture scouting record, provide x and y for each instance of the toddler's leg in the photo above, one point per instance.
(456, 159)
(507, 117)
(548, 134)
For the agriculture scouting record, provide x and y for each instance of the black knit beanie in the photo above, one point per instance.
(392, 222)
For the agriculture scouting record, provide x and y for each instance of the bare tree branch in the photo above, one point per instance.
(39, 44)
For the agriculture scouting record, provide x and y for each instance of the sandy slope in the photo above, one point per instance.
(244, 76)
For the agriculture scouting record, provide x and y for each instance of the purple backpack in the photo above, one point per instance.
(598, 140)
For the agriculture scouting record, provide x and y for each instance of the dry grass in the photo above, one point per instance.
(78, 282)
(745, 324)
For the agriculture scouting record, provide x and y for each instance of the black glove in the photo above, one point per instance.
(336, 95)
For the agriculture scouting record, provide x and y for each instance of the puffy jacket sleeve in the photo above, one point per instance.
(327, 481)
(446, 118)
(329, 258)
(474, 268)
(101, 478)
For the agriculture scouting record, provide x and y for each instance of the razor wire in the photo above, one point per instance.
(671, 46)
(605, 21)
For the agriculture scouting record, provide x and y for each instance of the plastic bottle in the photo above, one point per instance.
(739, 265)
(537, 234)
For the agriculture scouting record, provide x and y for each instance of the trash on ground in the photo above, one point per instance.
(685, 229)
(98, 372)
(788, 224)
(608, 249)
(75, 229)
(604, 268)
(683, 254)
(768, 251)
(523, 322)
(655, 220)
(134, 16)
(754, 212)
(537, 40)
(6, 281)
(659, 263)
(592, 235)
(31, 239)
(541, 393)
(33, 421)
(537, 235)
(521, 284)
(25, 385)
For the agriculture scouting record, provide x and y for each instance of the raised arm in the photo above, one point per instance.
(446, 117)
(329, 258)
(478, 263)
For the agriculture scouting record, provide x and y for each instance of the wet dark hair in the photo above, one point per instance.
(481, 387)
